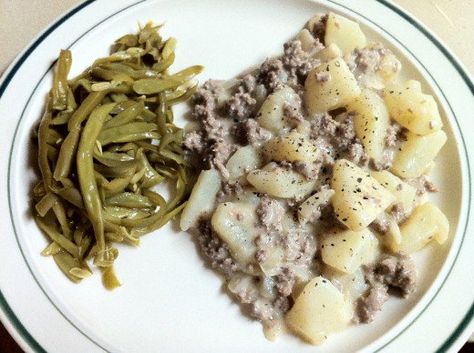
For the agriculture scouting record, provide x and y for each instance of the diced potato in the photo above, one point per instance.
(307, 40)
(352, 285)
(412, 109)
(389, 67)
(358, 197)
(202, 199)
(427, 222)
(242, 161)
(329, 86)
(404, 193)
(280, 183)
(331, 51)
(346, 251)
(318, 311)
(234, 223)
(313, 204)
(371, 122)
(270, 115)
(416, 154)
(292, 148)
(345, 33)
(273, 263)
(393, 237)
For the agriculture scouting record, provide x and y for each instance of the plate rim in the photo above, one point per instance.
(16, 328)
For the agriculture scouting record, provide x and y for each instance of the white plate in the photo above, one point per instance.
(170, 302)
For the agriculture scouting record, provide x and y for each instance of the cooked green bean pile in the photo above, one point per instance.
(105, 141)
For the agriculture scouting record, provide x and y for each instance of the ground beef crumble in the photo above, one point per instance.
(390, 272)
(215, 250)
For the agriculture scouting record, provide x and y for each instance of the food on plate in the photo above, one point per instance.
(106, 142)
(315, 166)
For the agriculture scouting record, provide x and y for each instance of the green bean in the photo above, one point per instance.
(111, 75)
(39, 190)
(66, 262)
(169, 48)
(85, 171)
(148, 115)
(161, 116)
(119, 97)
(55, 236)
(111, 159)
(118, 212)
(60, 214)
(84, 246)
(69, 146)
(115, 172)
(188, 73)
(60, 84)
(129, 132)
(62, 118)
(105, 257)
(72, 195)
(52, 249)
(134, 73)
(107, 136)
(46, 203)
(159, 221)
(150, 176)
(126, 116)
(182, 97)
(109, 279)
(128, 40)
(121, 106)
(180, 189)
(128, 199)
(164, 64)
(79, 234)
(80, 272)
(157, 85)
(43, 162)
(122, 232)
(154, 197)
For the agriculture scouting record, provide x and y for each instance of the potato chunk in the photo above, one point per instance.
(417, 153)
(346, 251)
(345, 33)
(306, 39)
(358, 197)
(270, 116)
(393, 237)
(318, 311)
(329, 86)
(404, 193)
(427, 222)
(202, 199)
(234, 223)
(280, 182)
(242, 161)
(313, 205)
(371, 122)
(332, 51)
(389, 67)
(412, 109)
(293, 147)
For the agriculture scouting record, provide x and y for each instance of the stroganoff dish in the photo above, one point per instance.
(312, 194)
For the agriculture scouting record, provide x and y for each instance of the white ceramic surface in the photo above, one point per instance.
(170, 302)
